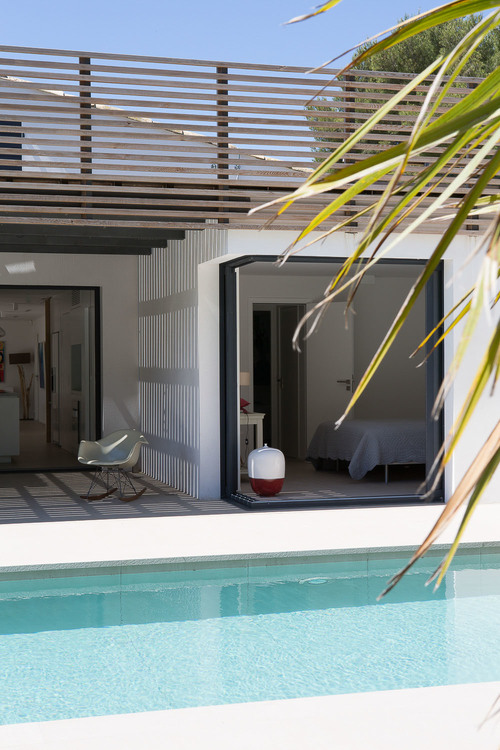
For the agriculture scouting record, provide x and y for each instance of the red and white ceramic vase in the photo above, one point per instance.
(266, 471)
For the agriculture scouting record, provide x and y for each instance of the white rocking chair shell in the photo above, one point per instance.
(113, 456)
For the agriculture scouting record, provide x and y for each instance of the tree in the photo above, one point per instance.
(413, 55)
(416, 53)
(465, 140)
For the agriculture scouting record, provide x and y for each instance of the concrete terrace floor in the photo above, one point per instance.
(55, 496)
(33, 497)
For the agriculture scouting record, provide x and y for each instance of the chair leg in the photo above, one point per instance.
(102, 476)
(125, 481)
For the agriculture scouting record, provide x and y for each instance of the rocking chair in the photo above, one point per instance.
(113, 456)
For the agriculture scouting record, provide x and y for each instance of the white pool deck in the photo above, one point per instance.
(426, 717)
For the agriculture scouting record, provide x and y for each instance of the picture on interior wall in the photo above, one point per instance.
(41, 364)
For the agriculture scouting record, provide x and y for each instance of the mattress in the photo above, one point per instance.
(366, 443)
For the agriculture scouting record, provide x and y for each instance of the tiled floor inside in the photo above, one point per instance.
(55, 496)
(304, 483)
(36, 453)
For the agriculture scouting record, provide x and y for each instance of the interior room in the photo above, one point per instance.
(294, 398)
(47, 376)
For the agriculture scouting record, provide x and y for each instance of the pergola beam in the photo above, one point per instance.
(28, 238)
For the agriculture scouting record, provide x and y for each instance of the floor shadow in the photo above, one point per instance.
(56, 496)
(51, 496)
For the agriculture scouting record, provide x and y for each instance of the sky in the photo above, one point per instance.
(250, 31)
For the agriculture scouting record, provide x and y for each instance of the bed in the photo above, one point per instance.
(367, 443)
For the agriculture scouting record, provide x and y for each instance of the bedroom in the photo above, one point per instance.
(380, 451)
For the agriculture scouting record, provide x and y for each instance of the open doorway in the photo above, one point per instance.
(391, 420)
(279, 378)
(49, 386)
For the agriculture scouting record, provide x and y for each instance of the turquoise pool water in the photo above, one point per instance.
(93, 645)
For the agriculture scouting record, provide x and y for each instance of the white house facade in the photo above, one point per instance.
(129, 180)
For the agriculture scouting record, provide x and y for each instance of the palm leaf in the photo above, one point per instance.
(479, 486)
(433, 136)
(462, 146)
(320, 9)
(475, 476)
(491, 168)
(488, 365)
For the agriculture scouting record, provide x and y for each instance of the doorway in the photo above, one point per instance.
(269, 301)
(279, 377)
(52, 365)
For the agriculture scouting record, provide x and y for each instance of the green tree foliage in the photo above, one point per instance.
(411, 56)
(415, 54)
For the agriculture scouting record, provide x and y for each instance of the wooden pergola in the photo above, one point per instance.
(119, 153)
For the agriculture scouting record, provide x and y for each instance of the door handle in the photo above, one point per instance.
(347, 383)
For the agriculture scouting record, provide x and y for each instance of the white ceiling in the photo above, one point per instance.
(22, 303)
(393, 270)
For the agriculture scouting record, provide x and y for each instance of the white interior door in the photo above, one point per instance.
(330, 367)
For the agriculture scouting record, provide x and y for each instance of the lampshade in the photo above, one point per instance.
(244, 378)
(20, 358)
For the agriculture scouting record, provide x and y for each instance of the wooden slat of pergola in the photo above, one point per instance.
(103, 140)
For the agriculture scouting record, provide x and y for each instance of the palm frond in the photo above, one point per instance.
(316, 12)
(460, 145)
(475, 477)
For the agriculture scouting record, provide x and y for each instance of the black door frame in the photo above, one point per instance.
(229, 414)
(98, 358)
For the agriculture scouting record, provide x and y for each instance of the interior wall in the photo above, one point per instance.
(398, 387)
(117, 278)
(276, 289)
(460, 273)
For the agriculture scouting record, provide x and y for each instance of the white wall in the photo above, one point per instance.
(261, 289)
(117, 278)
(179, 303)
(267, 242)
(181, 299)
(488, 410)
(399, 388)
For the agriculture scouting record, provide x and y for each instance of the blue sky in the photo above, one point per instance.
(227, 30)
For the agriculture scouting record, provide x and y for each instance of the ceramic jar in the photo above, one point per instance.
(266, 471)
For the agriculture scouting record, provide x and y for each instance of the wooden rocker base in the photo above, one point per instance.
(129, 498)
(90, 498)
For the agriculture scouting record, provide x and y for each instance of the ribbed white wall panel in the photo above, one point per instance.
(168, 356)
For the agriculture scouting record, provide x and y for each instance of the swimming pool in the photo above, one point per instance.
(123, 642)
